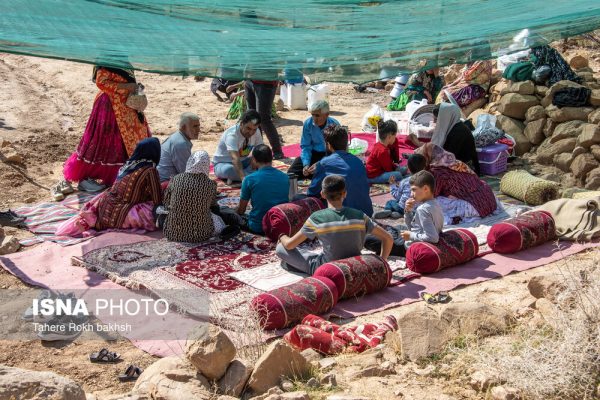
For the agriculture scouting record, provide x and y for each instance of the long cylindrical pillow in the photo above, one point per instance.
(288, 218)
(455, 247)
(357, 276)
(527, 230)
(285, 306)
(532, 190)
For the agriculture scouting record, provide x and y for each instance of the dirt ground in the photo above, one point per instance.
(44, 106)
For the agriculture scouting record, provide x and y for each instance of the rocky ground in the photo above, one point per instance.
(44, 105)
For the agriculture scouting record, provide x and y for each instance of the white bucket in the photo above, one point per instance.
(317, 93)
(296, 96)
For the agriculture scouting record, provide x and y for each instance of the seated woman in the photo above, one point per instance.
(422, 85)
(188, 201)
(473, 82)
(561, 71)
(453, 135)
(129, 202)
(455, 180)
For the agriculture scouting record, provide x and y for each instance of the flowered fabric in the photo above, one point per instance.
(546, 55)
(357, 276)
(456, 211)
(288, 218)
(283, 307)
(473, 83)
(527, 230)
(198, 163)
(436, 156)
(328, 338)
(455, 247)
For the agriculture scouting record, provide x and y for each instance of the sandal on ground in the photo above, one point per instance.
(131, 374)
(438, 298)
(105, 357)
(65, 187)
(56, 193)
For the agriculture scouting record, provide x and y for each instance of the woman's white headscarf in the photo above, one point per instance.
(198, 163)
(448, 116)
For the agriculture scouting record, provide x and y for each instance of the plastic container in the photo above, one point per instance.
(317, 93)
(493, 158)
(296, 96)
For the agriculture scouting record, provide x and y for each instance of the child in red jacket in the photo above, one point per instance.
(382, 163)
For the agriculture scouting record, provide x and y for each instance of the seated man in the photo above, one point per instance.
(340, 230)
(312, 141)
(265, 188)
(340, 162)
(177, 149)
(232, 157)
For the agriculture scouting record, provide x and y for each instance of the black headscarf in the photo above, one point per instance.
(146, 154)
(127, 74)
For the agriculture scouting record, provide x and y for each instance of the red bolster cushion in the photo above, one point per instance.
(357, 276)
(455, 247)
(286, 306)
(527, 230)
(288, 218)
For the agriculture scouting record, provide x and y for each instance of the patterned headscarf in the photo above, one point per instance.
(146, 154)
(448, 116)
(435, 156)
(198, 163)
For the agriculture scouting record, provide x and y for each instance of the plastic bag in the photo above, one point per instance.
(358, 147)
(485, 132)
(371, 118)
(400, 103)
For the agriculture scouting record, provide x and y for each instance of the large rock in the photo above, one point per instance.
(535, 113)
(235, 378)
(541, 90)
(595, 98)
(500, 87)
(210, 350)
(421, 333)
(9, 244)
(589, 136)
(568, 113)
(567, 130)
(10, 155)
(549, 127)
(592, 180)
(582, 164)
(547, 100)
(534, 131)
(595, 150)
(525, 87)
(17, 383)
(515, 129)
(515, 105)
(587, 76)
(563, 161)
(545, 287)
(278, 360)
(547, 150)
(172, 378)
(475, 318)
(594, 117)
(578, 61)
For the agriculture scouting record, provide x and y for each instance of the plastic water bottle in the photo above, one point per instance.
(293, 186)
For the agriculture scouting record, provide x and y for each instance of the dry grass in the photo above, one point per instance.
(558, 357)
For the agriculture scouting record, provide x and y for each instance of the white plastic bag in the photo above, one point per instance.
(371, 118)
(358, 147)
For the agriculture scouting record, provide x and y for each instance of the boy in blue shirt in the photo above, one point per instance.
(265, 188)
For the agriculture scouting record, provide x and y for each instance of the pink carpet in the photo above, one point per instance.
(481, 269)
(49, 265)
(293, 150)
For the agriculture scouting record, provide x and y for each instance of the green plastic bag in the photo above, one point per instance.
(238, 106)
(400, 103)
(518, 72)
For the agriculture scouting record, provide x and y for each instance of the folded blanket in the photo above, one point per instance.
(571, 97)
(576, 220)
(523, 186)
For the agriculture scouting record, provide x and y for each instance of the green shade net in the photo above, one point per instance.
(331, 40)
